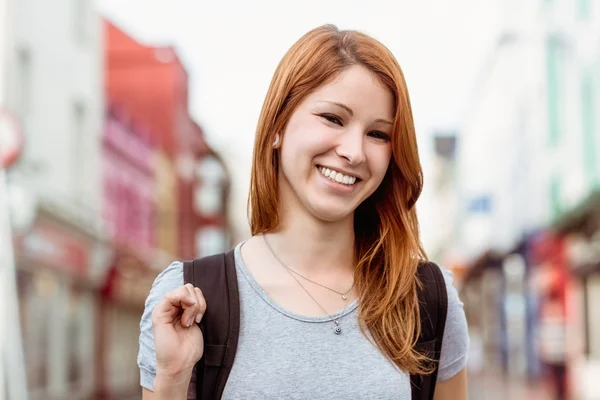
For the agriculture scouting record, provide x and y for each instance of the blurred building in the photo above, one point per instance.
(54, 86)
(529, 146)
(152, 83)
(571, 255)
(129, 210)
(165, 192)
(528, 153)
(115, 182)
(443, 192)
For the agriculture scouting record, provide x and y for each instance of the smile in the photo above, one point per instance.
(336, 176)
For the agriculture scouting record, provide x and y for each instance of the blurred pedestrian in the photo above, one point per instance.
(552, 343)
(328, 286)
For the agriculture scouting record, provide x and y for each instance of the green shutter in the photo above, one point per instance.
(589, 127)
(584, 9)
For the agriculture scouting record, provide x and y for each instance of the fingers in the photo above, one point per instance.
(186, 298)
(195, 312)
(201, 303)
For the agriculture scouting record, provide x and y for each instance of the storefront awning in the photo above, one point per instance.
(583, 219)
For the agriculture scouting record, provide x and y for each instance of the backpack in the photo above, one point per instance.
(216, 276)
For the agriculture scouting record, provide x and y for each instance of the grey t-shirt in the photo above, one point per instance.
(282, 354)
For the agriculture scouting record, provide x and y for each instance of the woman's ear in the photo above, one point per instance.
(277, 141)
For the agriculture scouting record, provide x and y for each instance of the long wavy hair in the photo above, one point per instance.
(387, 244)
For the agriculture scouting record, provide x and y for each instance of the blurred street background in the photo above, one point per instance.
(126, 132)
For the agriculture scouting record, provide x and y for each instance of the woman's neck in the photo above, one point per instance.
(314, 247)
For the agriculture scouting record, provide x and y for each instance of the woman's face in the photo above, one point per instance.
(336, 148)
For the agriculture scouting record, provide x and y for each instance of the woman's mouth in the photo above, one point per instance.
(336, 176)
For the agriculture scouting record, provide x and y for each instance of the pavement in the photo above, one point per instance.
(498, 387)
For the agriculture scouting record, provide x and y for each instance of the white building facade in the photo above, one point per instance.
(529, 146)
(53, 72)
(529, 151)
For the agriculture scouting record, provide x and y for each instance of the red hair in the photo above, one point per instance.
(387, 244)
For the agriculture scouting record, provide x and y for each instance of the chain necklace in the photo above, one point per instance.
(336, 321)
(343, 294)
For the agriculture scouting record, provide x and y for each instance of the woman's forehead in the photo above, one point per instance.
(357, 89)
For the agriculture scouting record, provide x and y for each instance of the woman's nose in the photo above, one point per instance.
(351, 147)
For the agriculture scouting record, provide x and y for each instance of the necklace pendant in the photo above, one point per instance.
(344, 297)
(337, 330)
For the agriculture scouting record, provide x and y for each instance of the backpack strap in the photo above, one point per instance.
(216, 276)
(433, 308)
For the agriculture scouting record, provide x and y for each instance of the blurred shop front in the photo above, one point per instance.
(123, 294)
(58, 264)
(544, 294)
(579, 231)
(500, 307)
(129, 217)
(80, 300)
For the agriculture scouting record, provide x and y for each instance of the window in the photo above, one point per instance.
(79, 128)
(554, 76)
(80, 20)
(210, 170)
(208, 199)
(23, 91)
(589, 126)
(208, 195)
(210, 240)
(38, 294)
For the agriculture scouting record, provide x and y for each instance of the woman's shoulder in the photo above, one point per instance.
(448, 278)
(454, 302)
(456, 335)
(168, 279)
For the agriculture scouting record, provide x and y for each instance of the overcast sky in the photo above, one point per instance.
(231, 50)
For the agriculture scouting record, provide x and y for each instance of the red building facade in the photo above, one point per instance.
(129, 209)
(152, 83)
(128, 179)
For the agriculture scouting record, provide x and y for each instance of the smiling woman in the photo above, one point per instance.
(335, 248)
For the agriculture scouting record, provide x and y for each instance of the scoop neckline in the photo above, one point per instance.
(241, 267)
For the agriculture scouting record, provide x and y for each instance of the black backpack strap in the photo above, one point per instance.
(433, 307)
(216, 277)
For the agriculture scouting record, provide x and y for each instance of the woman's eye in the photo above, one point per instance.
(379, 135)
(332, 118)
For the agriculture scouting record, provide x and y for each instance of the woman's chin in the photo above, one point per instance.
(331, 213)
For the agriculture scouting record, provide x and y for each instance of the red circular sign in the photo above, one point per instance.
(11, 138)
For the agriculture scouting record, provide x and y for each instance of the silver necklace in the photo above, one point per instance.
(336, 321)
(343, 294)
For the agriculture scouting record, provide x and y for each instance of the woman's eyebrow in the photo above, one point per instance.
(341, 105)
(349, 110)
(385, 121)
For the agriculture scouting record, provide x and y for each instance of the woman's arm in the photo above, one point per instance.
(171, 389)
(452, 374)
(454, 388)
(160, 383)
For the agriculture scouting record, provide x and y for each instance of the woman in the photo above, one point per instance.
(334, 245)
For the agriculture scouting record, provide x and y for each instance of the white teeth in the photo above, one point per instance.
(337, 176)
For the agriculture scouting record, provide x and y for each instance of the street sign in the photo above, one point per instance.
(12, 139)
